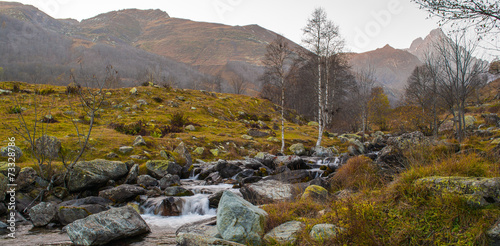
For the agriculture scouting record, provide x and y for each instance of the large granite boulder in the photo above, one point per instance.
(184, 154)
(268, 191)
(102, 228)
(160, 168)
(147, 181)
(73, 210)
(122, 193)
(93, 174)
(227, 170)
(240, 221)
(43, 213)
(285, 234)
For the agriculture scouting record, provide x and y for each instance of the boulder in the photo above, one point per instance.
(257, 134)
(48, 146)
(268, 191)
(43, 213)
(215, 152)
(122, 193)
(293, 177)
(201, 233)
(478, 192)
(491, 119)
(240, 221)
(69, 214)
(178, 191)
(132, 175)
(284, 234)
(139, 141)
(147, 181)
(26, 178)
(5, 152)
(292, 162)
(407, 140)
(320, 151)
(183, 153)
(199, 151)
(159, 168)
(266, 159)
(391, 157)
(102, 228)
(298, 149)
(315, 193)
(92, 174)
(190, 128)
(169, 206)
(227, 170)
(125, 149)
(324, 232)
(169, 180)
(214, 199)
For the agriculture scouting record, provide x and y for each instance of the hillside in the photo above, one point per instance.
(222, 122)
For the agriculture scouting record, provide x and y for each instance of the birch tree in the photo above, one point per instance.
(278, 53)
(322, 38)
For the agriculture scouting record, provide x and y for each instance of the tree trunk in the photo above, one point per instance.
(320, 106)
(282, 115)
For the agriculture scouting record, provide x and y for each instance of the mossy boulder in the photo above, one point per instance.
(298, 149)
(4, 181)
(160, 168)
(93, 174)
(478, 192)
(324, 232)
(315, 193)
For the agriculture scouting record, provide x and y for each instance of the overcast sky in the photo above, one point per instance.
(364, 24)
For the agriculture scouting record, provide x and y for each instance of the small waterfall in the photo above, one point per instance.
(197, 204)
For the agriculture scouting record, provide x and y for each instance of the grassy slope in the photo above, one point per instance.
(212, 131)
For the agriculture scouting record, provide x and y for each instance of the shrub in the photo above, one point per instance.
(16, 88)
(178, 120)
(135, 128)
(45, 91)
(73, 89)
(14, 110)
(358, 173)
(158, 99)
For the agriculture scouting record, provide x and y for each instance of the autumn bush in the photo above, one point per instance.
(358, 173)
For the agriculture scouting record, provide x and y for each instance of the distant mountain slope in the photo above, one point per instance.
(32, 42)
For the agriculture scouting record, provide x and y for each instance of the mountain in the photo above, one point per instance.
(209, 47)
(419, 47)
(391, 67)
(35, 46)
(135, 42)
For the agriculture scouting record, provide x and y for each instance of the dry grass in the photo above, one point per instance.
(357, 174)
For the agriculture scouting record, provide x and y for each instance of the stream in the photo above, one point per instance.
(192, 209)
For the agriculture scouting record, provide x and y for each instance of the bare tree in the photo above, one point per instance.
(320, 35)
(239, 84)
(457, 73)
(483, 15)
(365, 80)
(275, 60)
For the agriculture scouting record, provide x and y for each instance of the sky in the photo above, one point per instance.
(364, 24)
